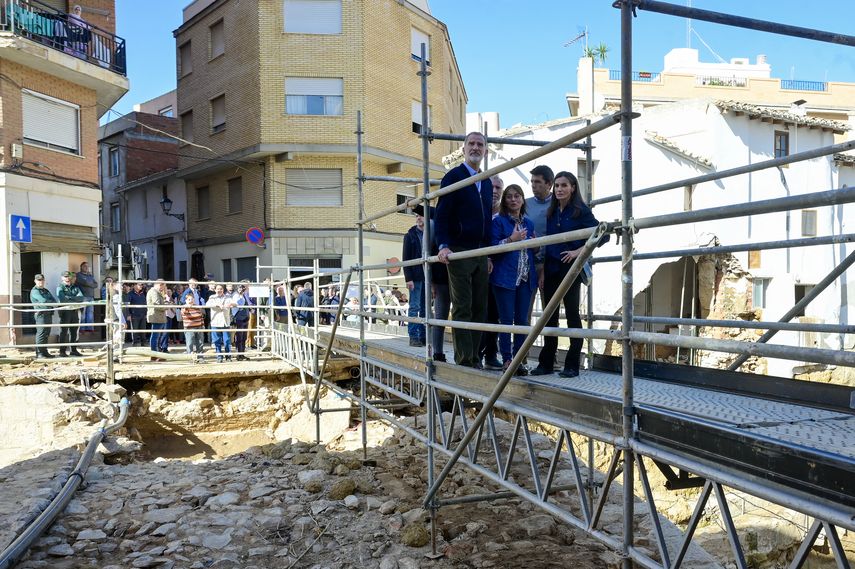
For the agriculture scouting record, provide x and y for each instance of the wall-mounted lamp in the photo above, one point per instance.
(166, 206)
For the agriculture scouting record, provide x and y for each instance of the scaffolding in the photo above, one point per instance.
(637, 431)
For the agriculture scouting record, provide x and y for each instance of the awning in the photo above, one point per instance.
(62, 238)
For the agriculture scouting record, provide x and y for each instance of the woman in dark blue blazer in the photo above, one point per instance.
(514, 277)
(567, 212)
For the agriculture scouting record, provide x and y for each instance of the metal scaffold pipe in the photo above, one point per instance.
(502, 140)
(601, 124)
(775, 162)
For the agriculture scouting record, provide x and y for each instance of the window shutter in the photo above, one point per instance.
(417, 112)
(313, 187)
(218, 43)
(50, 121)
(218, 111)
(313, 86)
(185, 58)
(417, 38)
(313, 16)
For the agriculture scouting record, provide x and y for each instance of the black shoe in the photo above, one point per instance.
(477, 365)
(492, 363)
(522, 371)
(228, 358)
(569, 373)
(540, 371)
(76, 354)
(62, 354)
(44, 355)
(439, 357)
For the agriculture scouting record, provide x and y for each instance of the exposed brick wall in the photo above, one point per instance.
(148, 151)
(83, 167)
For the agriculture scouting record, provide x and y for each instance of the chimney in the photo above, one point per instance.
(761, 59)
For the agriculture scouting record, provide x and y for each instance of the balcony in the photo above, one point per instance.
(637, 76)
(798, 85)
(63, 32)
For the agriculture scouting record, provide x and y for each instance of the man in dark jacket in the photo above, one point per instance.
(305, 300)
(68, 292)
(42, 298)
(415, 277)
(463, 222)
(137, 298)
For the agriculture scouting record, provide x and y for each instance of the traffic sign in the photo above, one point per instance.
(255, 235)
(21, 229)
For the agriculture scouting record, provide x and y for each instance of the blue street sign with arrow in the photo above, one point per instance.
(21, 229)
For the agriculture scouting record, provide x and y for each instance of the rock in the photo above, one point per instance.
(314, 486)
(165, 515)
(260, 491)
(217, 541)
(319, 506)
(407, 563)
(415, 535)
(165, 529)
(387, 507)
(351, 502)
(74, 507)
(389, 562)
(112, 393)
(305, 476)
(341, 470)
(61, 550)
(413, 516)
(92, 535)
(341, 489)
(537, 526)
(224, 499)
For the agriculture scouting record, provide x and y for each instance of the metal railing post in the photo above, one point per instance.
(110, 331)
(626, 9)
(360, 261)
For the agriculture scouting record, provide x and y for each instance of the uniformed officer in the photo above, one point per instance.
(69, 292)
(41, 298)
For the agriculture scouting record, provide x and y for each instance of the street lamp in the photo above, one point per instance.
(166, 206)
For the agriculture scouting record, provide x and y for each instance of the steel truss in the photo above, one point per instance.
(689, 452)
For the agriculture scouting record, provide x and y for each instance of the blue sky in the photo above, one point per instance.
(511, 52)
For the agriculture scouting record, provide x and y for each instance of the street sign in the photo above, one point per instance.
(21, 229)
(255, 236)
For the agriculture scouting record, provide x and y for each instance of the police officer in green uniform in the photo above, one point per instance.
(68, 292)
(41, 299)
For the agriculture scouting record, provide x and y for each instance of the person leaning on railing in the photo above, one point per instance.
(42, 298)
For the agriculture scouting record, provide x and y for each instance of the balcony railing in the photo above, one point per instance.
(63, 32)
(797, 85)
(720, 81)
(637, 76)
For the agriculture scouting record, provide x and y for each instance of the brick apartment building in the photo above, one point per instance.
(270, 89)
(138, 164)
(58, 75)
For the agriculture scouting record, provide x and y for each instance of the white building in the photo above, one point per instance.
(689, 138)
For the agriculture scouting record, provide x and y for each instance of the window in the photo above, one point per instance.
(417, 117)
(167, 111)
(218, 39)
(51, 123)
(312, 16)
(218, 114)
(235, 195)
(115, 217)
(227, 270)
(203, 203)
(401, 198)
(113, 156)
(582, 177)
(313, 96)
(800, 292)
(182, 270)
(246, 268)
(782, 144)
(808, 223)
(417, 38)
(760, 286)
(185, 59)
(187, 126)
(313, 187)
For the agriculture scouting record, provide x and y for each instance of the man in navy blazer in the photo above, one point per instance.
(464, 222)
